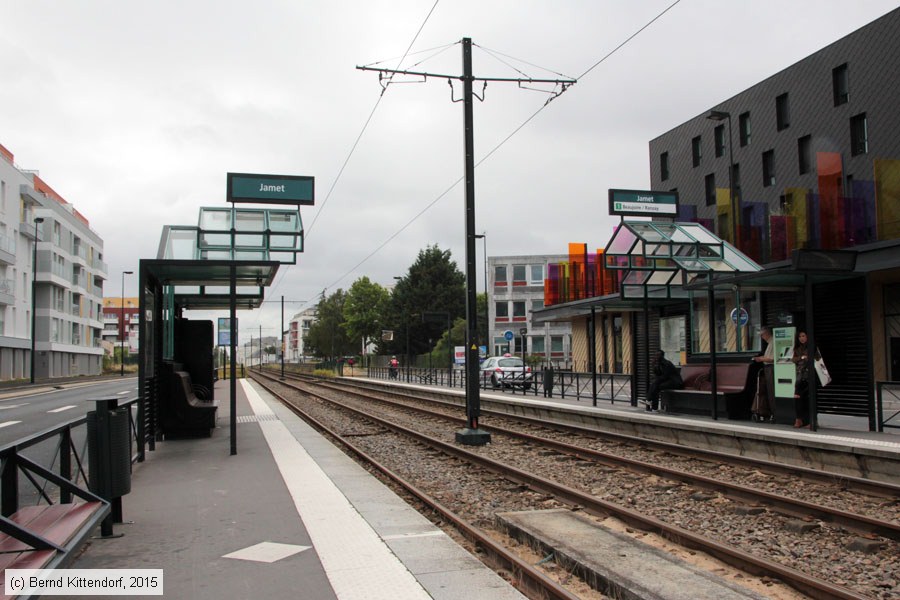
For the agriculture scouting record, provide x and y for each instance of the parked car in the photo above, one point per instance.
(507, 371)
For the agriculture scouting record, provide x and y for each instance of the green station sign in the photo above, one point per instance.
(639, 203)
(271, 189)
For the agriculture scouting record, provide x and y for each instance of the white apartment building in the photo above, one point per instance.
(298, 329)
(516, 286)
(35, 221)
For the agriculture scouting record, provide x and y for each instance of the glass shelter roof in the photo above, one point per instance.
(661, 258)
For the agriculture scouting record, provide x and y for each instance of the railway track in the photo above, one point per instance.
(532, 462)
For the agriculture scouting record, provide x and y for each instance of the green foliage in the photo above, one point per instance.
(327, 336)
(364, 308)
(432, 289)
(324, 373)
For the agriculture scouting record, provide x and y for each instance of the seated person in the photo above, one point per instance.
(666, 377)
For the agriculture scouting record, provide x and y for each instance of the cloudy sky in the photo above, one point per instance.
(135, 111)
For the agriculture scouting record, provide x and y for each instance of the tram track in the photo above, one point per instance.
(635, 515)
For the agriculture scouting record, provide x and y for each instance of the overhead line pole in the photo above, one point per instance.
(471, 435)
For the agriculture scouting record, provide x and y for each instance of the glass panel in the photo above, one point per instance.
(250, 220)
(647, 232)
(285, 258)
(250, 255)
(215, 240)
(216, 255)
(283, 241)
(636, 277)
(738, 261)
(622, 242)
(181, 244)
(692, 265)
(215, 219)
(284, 221)
(699, 233)
(661, 277)
(245, 240)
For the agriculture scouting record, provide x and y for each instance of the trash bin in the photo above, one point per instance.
(109, 450)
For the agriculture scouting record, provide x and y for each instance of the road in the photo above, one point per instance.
(27, 411)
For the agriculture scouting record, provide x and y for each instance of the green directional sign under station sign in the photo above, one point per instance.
(640, 203)
(271, 189)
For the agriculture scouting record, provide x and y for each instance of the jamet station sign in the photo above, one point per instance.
(271, 189)
(640, 203)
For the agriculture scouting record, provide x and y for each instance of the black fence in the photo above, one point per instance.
(612, 387)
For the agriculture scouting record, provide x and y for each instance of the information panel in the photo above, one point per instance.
(785, 369)
(640, 203)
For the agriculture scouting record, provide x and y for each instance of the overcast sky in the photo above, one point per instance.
(135, 111)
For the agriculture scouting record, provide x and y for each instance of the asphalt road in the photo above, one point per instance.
(24, 412)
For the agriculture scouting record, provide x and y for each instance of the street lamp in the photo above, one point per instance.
(124, 329)
(37, 221)
(487, 326)
(721, 115)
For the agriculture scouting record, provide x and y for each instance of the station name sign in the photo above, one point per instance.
(638, 203)
(271, 189)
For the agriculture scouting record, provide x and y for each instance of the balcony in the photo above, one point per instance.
(7, 291)
(7, 250)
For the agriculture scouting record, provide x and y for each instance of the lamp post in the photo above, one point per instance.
(124, 326)
(37, 221)
(721, 115)
(487, 325)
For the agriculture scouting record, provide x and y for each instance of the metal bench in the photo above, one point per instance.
(735, 386)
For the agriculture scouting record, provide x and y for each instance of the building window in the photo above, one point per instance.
(536, 276)
(696, 151)
(537, 304)
(768, 167)
(859, 135)
(719, 137)
(744, 128)
(537, 345)
(711, 189)
(500, 275)
(664, 166)
(501, 311)
(804, 154)
(840, 82)
(556, 344)
(736, 179)
(519, 310)
(782, 112)
(519, 275)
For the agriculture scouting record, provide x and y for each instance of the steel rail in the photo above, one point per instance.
(734, 556)
(526, 575)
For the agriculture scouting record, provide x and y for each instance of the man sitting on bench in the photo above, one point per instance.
(666, 377)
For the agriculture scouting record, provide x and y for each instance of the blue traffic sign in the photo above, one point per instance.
(508, 335)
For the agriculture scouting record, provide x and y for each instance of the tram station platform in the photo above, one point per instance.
(288, 516)
(840, 445)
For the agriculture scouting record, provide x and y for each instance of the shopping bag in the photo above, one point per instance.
(822, 372)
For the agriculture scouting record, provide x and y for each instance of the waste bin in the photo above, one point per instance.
(109, 450)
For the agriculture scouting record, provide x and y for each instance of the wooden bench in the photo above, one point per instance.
(735, 384)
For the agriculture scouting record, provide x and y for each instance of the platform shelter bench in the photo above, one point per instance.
(735, 384)
(186, 414)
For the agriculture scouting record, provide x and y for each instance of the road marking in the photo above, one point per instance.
(61, 408)
(8, 423)
(123, 393)
(12, 406)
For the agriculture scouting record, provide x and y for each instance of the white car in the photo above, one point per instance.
(507, 371)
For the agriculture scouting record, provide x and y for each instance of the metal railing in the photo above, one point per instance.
(887, 404)
(612, 387)
(65, 466)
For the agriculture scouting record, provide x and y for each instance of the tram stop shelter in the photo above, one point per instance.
(224, 263)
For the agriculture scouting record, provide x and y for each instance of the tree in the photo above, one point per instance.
(433, 284)
(327, 336)
(363, 310)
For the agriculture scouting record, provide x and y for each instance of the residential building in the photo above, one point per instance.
(120, 324)
(68, 278)
(516, 284)
(295, 350)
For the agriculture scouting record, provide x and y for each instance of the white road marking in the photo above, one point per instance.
(2, 407)
(61, 408)
(8, 423)
(267, 552)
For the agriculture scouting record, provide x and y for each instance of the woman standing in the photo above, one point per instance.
(801, 387)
